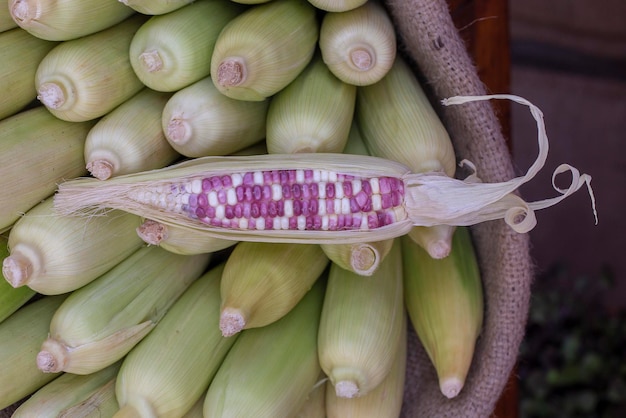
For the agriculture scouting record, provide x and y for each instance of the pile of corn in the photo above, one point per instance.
(120, 315)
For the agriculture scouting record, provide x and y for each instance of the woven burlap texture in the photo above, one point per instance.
(427, 35)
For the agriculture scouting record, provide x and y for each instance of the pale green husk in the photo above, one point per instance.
(172, 50)
(264, 281)
(262, 50)
(270, 371)
(358, 339)
(20, 54)
(312, 114)
(21, 335)
(66, 391)
(170, 369)
(444, 299)
(54, 254)
(37, 152)
(100, 322)
(129, 138)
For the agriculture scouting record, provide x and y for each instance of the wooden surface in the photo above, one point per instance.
(484, 26)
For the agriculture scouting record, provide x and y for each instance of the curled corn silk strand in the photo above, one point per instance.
(316, 198)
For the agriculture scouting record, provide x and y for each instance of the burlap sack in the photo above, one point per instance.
(428, 36)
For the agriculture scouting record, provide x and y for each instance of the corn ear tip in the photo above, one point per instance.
(439, 249)
(152, 232)
(451, 386)
(346, 389)
(232, 321)
(365, 260)
(17, 269)
(52, 356)
(100, 169)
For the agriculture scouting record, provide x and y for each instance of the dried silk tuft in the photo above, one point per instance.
(434, 199)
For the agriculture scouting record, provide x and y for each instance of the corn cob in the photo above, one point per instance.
(21, 334)
(361, 326)
(62, 20)
(129, 138)
(100, 403)
(384, 401)
(312, 114)
(54, 254)
(337, 5)
(65, 391)
(38, 151)
(170, 369)
(199, 120)
(155, 7)
(253, 60)
(172, 50)
(397, 121)
(359, 45)
(445, 303)
(270, 371)
(175, 195)
(102, 321)
(179, 239)
(85, 78)
(11, 299)
(262, 282)
(20, 54)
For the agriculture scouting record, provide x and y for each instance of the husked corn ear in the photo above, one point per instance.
(180, 239)
(62, 20)
(37, 152)
(155, 7)
(361, 326)
(172, 50)
(54, 254)
(384, 401)
(11, 299)
(86, 78)
(444, 299)
(21, 334)
(264, 281)
(362, 258)
(262, 50)
(170, 369)
(359, 45)
(129, 138)
(101, 322)
(66, 391)
(298, 198)
(20, 54)
(398, 122)
(337, 5)
(199, 120)
(349, 198)
(312, 114)
(100, 403)
(270, 370)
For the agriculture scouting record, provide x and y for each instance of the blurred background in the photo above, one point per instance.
(568, 57)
